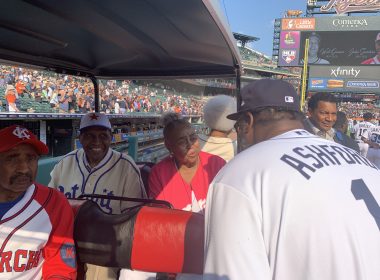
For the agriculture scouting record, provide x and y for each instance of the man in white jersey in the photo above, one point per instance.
(374, 145)
(291, 206)
(97, 169)
(361, 133)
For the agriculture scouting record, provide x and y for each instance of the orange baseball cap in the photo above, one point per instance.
(15, 135)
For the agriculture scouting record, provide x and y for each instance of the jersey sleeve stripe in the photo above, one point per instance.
(23, 208)
(26, 221)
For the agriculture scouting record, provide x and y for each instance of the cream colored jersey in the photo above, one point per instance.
(221, 146)
(115, 175)
(294, 207)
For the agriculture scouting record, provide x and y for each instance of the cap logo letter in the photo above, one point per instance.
(21, 133)
(289, 99)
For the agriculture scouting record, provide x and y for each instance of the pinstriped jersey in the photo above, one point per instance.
(36, 237)
(361, 130)
(115, 175)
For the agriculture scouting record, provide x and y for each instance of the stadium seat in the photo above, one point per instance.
(145, 168)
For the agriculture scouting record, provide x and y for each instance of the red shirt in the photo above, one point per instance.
(166, 183)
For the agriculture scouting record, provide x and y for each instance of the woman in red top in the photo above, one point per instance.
(183, 177)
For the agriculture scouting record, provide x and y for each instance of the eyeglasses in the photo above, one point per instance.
(185, 141)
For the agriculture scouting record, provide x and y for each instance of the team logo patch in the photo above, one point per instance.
(67, 252)
(288, 55)
(289, 99)
(21, 133)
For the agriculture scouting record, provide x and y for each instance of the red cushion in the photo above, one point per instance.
(167, 240)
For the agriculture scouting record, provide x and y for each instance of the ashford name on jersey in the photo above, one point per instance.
(308, 159)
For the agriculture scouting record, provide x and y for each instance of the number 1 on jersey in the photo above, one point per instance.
(360, 191)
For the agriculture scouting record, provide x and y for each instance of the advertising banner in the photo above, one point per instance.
(340, 41)
(289, 39)
(298, 24)
(288, 57)
(344, 79)
(340, 48)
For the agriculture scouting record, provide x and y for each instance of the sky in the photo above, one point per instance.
(256, 18)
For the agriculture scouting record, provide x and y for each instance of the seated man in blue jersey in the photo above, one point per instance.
(36, 222)
(290, 206)
(97, 169)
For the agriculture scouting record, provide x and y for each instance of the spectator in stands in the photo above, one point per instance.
(97, 169)
(20, 87)
(11, 97)
(314, 45)
(54, 100)
(341, 128)
(376, 58)
(215, 114)
(183, 177)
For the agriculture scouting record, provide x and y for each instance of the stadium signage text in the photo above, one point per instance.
(344, 72)
(350, 22)
(348, 6)
(298, 24)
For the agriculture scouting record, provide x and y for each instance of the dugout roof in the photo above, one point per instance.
(119, 38)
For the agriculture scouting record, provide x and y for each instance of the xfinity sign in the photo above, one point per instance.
(344, 72)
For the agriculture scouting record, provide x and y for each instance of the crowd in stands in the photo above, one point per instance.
(356, 110)
(218, 83)
(255, 57)
(44, 92)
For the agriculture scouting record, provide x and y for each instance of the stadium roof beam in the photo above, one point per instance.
(243, 39)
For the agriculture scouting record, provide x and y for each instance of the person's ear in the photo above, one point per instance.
(250, 119)
(247, 124)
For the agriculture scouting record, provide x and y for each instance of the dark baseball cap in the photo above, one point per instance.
(267, 93)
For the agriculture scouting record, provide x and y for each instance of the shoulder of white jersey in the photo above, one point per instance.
(68, 156)
(128, 159)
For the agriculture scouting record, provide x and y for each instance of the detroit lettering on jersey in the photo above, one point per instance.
(19, 261)
(309, 159)
(105, 204)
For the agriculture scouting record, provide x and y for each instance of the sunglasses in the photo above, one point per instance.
(186, 141)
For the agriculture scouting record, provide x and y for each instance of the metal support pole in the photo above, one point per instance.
(304, 74)
(96, 92)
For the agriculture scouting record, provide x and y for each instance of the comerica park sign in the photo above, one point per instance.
(349, 6)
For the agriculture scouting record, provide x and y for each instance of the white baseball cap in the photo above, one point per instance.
(216, 111)
(94, 119)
